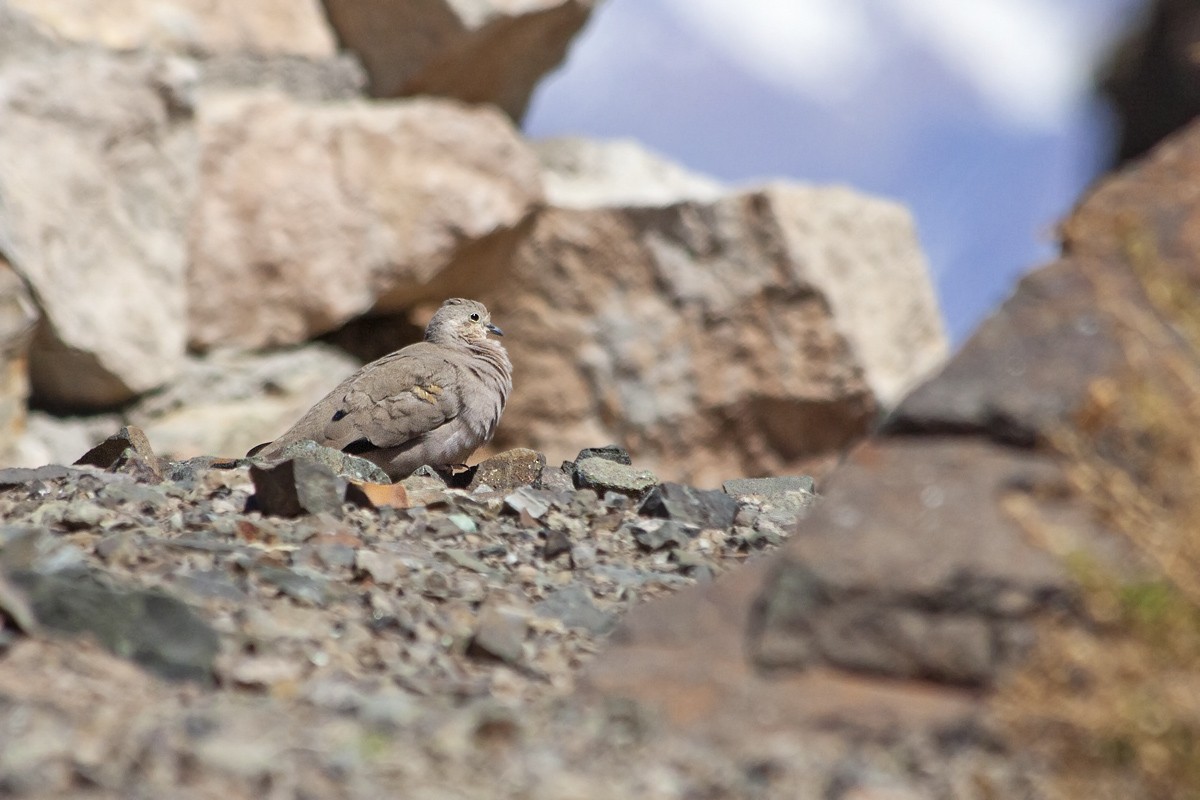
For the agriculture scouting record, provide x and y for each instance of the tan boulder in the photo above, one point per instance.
(96, 166)
(295, 27)
(715, 339)
(591, 173)
(481, 52)
(311, 214)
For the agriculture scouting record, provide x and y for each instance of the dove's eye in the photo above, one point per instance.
(474, 318)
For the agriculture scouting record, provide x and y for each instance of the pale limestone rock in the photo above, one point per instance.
(311, 214)
(586, 173)
(96, 167)
(737, 337)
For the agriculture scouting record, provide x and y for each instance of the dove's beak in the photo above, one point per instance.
(494, 329)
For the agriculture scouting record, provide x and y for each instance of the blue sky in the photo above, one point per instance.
(976, 114)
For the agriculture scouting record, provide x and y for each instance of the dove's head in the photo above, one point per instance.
(460, 321)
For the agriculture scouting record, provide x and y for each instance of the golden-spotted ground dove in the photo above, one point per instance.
(433, 402)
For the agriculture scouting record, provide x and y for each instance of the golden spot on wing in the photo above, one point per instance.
(428, 393)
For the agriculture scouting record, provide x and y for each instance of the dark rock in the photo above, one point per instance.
(1153, 77)
(297, 487)
(1026, 369)
(768, 487)
(111, 453)
(704, 508)
(573, 605)
(309, 588)
(341, 464)
(153, 629)
(509, 470)
(556, 544)
(922, 575)
(557, 479)
(186, 472)
(605, 475)
(655, 534)
(614, 453)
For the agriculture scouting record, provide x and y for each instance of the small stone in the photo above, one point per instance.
(421, 490)
(118, 548)
(384, 570)
(467, 561)
(341, 464)
(573, 605)
(583, 556)
(297, 487)
(769, 487)
(704, 508)
(604, 475)
(534, 502)
(509, 470)
(500, 631)
(556, 544)
(111, 452)
(658, 534)
(463, 522)
(557, 479)
(307, 588)
(612, 452)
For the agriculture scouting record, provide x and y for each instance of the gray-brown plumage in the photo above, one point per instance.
(433, 402)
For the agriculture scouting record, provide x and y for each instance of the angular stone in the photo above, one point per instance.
(110, 453)
(500, 630)
(612, 452)
(509, 470)
(344, 208)
(769, 487)
(97, 169)
(486, 52)
(153, 629)
(526, 500)
(573, 605)
(604, 475)
(659, 533)
(704, 508)
(296, 487)
(341, 464)
(555, 545)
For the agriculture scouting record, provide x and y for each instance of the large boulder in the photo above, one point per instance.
(748, 335)
(1013, 557)
(97, 157)
(311, 214)
(481, 52)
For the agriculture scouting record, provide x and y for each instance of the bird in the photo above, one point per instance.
(433, 402)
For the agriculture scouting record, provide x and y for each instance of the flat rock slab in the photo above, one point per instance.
(152, 629)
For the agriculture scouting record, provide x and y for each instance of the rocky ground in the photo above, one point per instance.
(257, 631)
